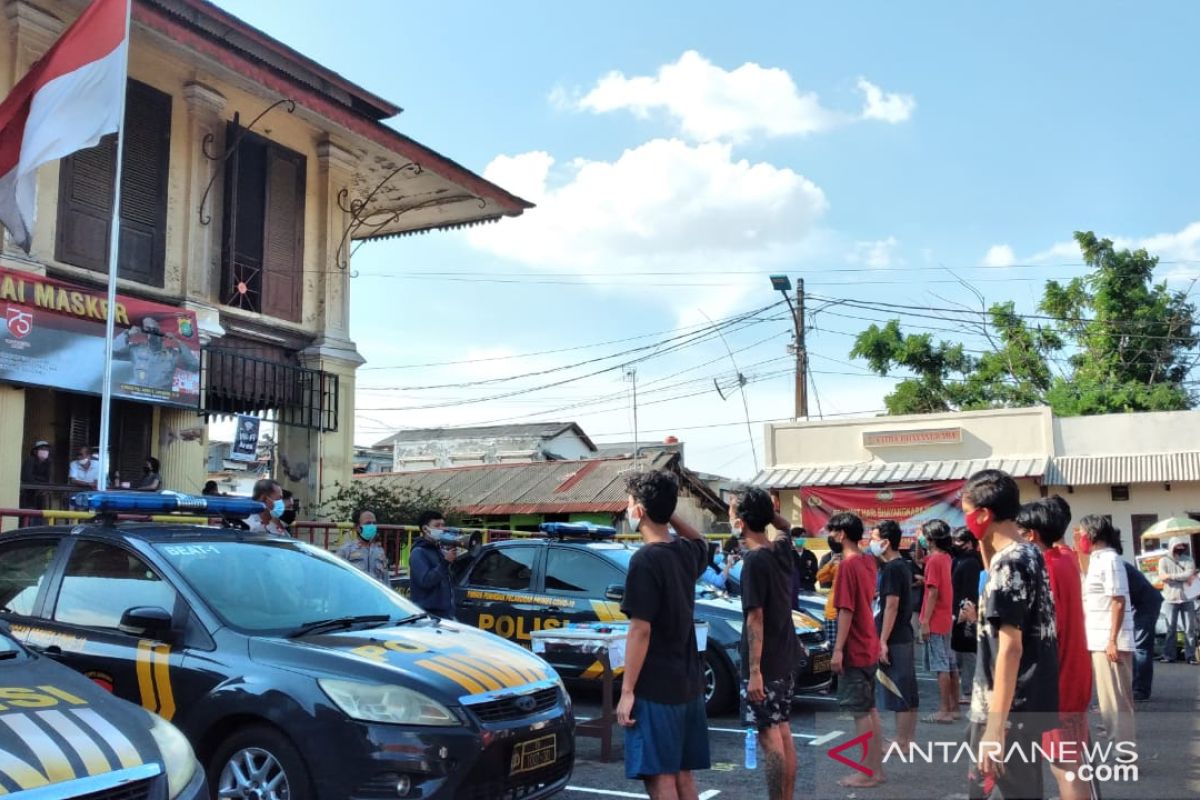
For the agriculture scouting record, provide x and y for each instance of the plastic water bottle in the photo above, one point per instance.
(751, 748)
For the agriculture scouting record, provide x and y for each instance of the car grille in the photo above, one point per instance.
(137, 790)
(506, 708)
(518, 787)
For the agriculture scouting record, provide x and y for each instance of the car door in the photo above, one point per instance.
(26, 570)
(81, 624)
(499, 594)
(577, 581)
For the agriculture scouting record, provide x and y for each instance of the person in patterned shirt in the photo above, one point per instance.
(365, 551)
(1015, 698)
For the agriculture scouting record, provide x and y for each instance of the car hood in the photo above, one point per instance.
(98, 733)
(449, 661)
(725, 607)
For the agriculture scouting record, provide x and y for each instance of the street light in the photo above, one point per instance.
(783, 285)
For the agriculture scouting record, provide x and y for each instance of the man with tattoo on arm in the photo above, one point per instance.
(768, 647)
(662, 694)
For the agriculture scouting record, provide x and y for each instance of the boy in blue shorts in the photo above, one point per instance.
(662, 694)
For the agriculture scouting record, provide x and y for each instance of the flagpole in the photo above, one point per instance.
(113, 251)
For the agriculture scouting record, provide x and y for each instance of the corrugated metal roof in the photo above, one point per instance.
(1108, 470)
(526, 430)
(539, 487)
(871, 472)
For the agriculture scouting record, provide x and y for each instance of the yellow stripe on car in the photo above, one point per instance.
(127, 754)
(94, 760)
(162, 681)
(145, 675)
(470, 684)
(55, 765)
(467, 668)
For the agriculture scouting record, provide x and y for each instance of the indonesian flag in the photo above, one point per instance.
(71, 97)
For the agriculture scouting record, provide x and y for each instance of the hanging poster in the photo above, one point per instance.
(911, 505)
(53, 335)
(245, 441)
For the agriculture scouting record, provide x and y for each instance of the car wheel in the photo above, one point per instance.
(260, 763)
(720, 686)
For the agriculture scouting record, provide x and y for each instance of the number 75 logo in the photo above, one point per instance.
(19, 321)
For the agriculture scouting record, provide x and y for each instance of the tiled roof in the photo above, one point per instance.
(531, 430)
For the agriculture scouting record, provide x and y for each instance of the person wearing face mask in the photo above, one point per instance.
(804, 567)
(35, 470)
(1176, 571)
(365, 551)
(270, 494)
(897, 690)
(1109, 616)
(288, 517)
(1015, 699)
(965, 579)
(151, 477)
(937, 620)
(84, 471)
(429, 567)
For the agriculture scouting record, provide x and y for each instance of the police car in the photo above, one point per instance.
(62, 736)
(576, 574)
(293, 674)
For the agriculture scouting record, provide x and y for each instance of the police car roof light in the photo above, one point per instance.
(582, 530)
(168, 503)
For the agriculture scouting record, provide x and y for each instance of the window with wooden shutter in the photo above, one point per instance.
(263, 248)
(85, 193)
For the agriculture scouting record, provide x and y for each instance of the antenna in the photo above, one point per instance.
(741, 381)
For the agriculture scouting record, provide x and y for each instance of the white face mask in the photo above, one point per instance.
(876, 548)
(635, 522)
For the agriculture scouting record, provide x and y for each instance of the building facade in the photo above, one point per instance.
(1135, 468)
(430, 448)
(250, 174)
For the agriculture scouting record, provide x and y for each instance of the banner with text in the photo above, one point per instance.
(911, 505)
(53, 335)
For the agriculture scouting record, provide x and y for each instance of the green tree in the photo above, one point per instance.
(1126, 340)
(393, 504)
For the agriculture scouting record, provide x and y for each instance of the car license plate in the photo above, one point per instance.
(534, 754)
(821, 663)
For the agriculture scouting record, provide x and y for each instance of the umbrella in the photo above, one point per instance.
(1175, 526)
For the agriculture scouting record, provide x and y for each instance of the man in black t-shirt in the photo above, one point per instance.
(897, 688)
(662, 694)
(768, 647)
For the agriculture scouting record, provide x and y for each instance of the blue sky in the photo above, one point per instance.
(712, 145)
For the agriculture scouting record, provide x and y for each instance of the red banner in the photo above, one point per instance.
(911, 506)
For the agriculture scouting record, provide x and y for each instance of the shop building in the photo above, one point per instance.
(1135, 468)
(250, 174)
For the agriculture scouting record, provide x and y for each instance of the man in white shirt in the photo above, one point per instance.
(84, 471)
(1177, 572)
(1108, 618)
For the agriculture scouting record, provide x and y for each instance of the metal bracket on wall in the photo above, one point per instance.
(374, 220)
(231, 148)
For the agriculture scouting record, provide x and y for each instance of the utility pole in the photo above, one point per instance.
(631, 375)
(801, 354)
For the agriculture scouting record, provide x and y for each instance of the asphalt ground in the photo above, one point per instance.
(1168, 752)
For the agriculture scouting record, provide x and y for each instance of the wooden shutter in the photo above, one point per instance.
(283, 234)
(86, 191)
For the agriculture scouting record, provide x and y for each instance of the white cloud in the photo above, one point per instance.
(662, 202)
(891, 107)
(1181, 247)
(710, 103)
(879, 254)
(999, 255)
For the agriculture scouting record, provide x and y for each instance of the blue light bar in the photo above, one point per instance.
(587, 530)
(152, 503)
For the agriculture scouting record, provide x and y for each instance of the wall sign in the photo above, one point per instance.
(912, 438)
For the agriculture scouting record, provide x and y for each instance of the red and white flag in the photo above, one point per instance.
(69, 99)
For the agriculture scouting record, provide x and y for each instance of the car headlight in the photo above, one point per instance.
(178, 759)
(374, 702)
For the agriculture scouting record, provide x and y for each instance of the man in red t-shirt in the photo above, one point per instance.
(856, 651)
(937, 619)
(1044, 522)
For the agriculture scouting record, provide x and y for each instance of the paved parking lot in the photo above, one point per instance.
(1168, 752)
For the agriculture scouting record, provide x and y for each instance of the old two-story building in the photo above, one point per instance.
(250, 174)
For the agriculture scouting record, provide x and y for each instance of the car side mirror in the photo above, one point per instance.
(615, 592)
(147, 622)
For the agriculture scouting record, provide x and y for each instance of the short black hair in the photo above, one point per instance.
(756, 509)
(732, 544)
(995, 490)
(155, 466)
(210, 487)
(889, 531)
(848, 524)
(264, 487)
(798, 532)
(1100, 529)
(357, 515)
(938, 532)
(1046, 518)
(963, 537)
(287, 494)
(429, 515)
(657, 491)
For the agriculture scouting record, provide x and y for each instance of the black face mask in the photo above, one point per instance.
(288, 517)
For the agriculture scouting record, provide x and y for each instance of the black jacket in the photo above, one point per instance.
(429, 579)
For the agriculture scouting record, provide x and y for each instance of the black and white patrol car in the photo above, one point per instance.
(576, 574)
(62, 736)
(294, 675)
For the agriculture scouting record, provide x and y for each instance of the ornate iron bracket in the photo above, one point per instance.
(361, 216)
(230, 149)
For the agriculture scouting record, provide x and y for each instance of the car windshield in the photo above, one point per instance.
(277, 587)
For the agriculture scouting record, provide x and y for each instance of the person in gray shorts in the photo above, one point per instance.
(897, 675)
